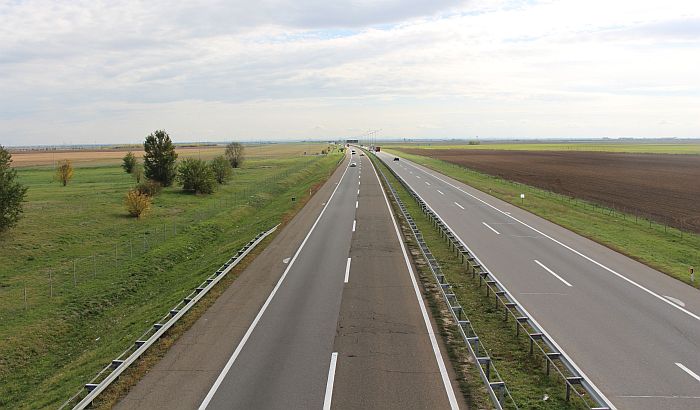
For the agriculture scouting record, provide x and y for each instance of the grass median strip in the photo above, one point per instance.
(522, 372)
(663, 248)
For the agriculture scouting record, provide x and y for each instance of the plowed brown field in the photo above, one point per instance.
(662, 187)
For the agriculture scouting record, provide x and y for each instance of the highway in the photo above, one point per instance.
(336, 320)
(633, 331)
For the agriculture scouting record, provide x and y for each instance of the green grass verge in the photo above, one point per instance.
(666, 249)
(50, 346)
(632, 147)
(523, 373)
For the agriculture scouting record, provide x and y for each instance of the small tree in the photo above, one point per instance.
(196, 176)
(235, 154)
(129, 162)
(12, 193)
(64, 172)
(137, 173)
(159, 160)
(222, 169)
(137, 204)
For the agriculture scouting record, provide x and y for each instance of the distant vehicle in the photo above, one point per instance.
(396, 158)
(353, 164)
(353, 151)
(362, 154)
(377, 149)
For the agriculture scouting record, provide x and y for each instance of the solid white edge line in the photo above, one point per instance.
(441, 193)
(619, 275)
(353, 224)
(252, 326)
(329, 384)
(426, 320)
(690, 372)
(489, 226)
(459, 205)
(542, 329)
(347, 270)
(553, 273)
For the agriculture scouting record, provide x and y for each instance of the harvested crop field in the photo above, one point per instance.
(662, 187)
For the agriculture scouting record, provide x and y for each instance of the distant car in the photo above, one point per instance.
(353, 164)
(396, 158)
(362, 154)
(353, 151)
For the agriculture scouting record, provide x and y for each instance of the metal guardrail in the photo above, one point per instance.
(111, 372)
(523, 323)
(493, 382)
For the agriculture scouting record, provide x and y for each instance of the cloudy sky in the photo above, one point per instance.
(110, 71)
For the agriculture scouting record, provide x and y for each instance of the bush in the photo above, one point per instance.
(129, 162)
(137, 173)
(235, 154)
(12, 193)
(149, 188)
(64, 172)
(159, 159)
(222, 169)
(196, 176)
(137, 204)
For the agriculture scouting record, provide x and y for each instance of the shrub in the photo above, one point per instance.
(235, 154)
(222, 169)
(12, 193)
(137, 173)
(129, 162)
(137, 204)
(149, 187)
(64, 172)
(196, 176)
(159, 159)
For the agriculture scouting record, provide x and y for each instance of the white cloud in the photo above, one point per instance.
(105, 71)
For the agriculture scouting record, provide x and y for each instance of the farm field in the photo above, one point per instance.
(631, 147)
(661, 187)
(79, 280)
(107, 156)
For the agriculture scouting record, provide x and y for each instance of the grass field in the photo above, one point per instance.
(78, 317)
(665, 249)
(636, 147)
(87, 158)
(522, 372)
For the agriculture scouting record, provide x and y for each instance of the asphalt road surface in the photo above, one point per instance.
(336, 319)
(633, 331)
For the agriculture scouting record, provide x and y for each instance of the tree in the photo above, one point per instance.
(137, 204)
(196, 176)
(137, 173)
(222, 169)
(235, 154)
(11, 192)
(129, 162)
(159, 160)
(64, 172)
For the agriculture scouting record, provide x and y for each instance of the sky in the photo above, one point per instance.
(83, 72)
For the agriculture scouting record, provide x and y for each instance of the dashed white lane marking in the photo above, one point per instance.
(674, 300)
(440, 192)
(489, 226)
(427, 183)
(358, 192)
(285, 260)
(553, 273)
(347, 270)
(357, 204)
(418, 176)
(329, 384)
(690, 372)
(459, 205)
(558, 242)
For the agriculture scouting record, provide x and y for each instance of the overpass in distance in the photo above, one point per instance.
(331, 315)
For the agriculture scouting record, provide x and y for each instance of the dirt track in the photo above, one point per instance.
(665, 188)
